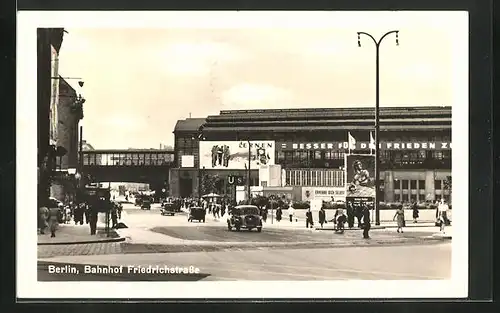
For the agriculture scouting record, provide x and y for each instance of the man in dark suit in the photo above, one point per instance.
(309, 219)
(350, 215)
(366, 221)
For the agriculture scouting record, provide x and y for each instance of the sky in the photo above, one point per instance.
(139, 81)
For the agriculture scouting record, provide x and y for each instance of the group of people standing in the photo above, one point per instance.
(80, 213)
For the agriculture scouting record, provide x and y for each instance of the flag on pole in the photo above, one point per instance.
(351, 141)
(372, 143)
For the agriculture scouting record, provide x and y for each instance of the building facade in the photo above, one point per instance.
(49, 41)
(310, 146)
(69, 114)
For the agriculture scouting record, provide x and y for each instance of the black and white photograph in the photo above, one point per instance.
(242, 154)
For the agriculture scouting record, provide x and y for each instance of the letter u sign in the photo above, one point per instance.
(230, 180)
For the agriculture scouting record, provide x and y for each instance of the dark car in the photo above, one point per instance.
(138, 201)
(168, 208)
(146, 204)
(244, 216)
(174, 203)
(197, 213)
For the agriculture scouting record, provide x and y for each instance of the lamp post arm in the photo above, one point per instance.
(366, 34)
(385, 35)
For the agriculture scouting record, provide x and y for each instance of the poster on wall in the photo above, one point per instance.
(233, 155)
(360, 175)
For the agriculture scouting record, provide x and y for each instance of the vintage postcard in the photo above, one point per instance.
(242, 154)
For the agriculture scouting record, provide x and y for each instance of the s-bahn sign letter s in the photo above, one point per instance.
(235, 180)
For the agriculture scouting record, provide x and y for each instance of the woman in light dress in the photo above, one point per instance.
(400, 218)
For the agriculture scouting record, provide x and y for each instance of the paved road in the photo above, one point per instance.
(389, 262)
(215, 230)
(275, 254)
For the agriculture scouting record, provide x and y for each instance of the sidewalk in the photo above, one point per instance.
(77, 234)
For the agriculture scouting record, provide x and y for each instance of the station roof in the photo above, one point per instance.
(391, 118)
(189, 125)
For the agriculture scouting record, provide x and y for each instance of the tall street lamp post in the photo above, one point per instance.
(377, 109)
(249, 172)
(201, 170)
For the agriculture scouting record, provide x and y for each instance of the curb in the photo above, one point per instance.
(355, 228)
(355, 243)
(120, 239)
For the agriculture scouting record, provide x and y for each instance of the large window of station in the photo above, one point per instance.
(128, 159)
(388, 158)
(314, 177)
(416, 159)
(310, 159)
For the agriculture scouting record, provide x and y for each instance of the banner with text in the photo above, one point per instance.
(360, 175)
(323, 193)
(234, 154)
(360, 145)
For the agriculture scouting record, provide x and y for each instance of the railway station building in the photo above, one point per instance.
(300, 152)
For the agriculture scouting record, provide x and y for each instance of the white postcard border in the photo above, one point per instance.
(29, 287)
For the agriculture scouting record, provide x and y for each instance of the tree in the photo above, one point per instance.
(447, 183)
(209, 184)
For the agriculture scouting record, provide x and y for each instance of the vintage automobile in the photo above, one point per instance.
(146, 204)
(138, 200)
(174, 204)
(244, 216)
(197, 213)
(168, 208)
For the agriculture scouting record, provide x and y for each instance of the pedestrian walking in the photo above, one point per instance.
(86, 213)
(119, 211)
(339, 219)
(322, 215)
(279, 214)
(114, 216)
(366, 221)
(264, 213)
(399, 216)
(442, 215)
(53, 220)
(350, 215)
(67, 214)
(415, 212)
(92, 221)
(358, 212)
(309, 218)
(43, 215)
(291, 212)
(224, 208)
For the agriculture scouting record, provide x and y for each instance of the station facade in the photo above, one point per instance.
(302, 152)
